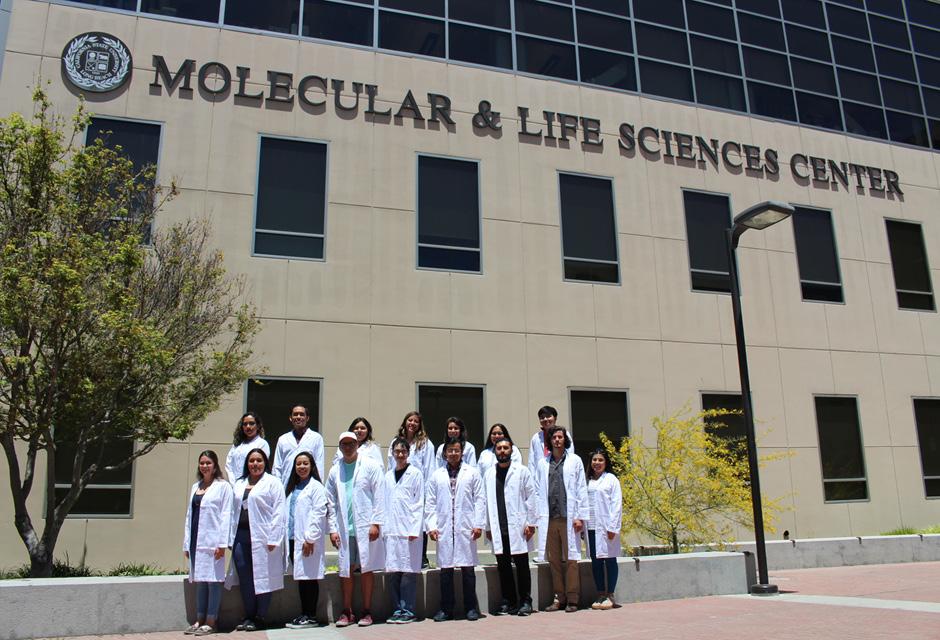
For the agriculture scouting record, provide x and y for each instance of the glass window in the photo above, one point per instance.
(858, 4)
(813, 76)
(494, 13)
(923, 12)
(767, 66)
(291, 199)
(761, 32)
(886, 7)
(205, 10)
(588, 232)
(127, 5)
(480, 46)
(774, 102)
(895, 63)
(903, 127)
(909, 262)
(901, 95)
(715, 54)
(730, 427)
(840, 449)
(859, 86)
(816, 255)
(281, 17)
(808, 43)
(926, 41)
(818, 111)
(273, 398)
(665, 80)
(542, 19)
(620, 7)
(664, 44)
(607, 69)
(411, 34)
(594, 413)
(808, 12)
(710, 19)
(668, 12)
(448, 214)
(927, 417)
(438, 402)
(546, 58)
(929, 71)
(707, 219)
(109, 493)
(337, 22)
(719, 91)
(889, 32)
(867, 121)
(847, 22)
(852, 53)
(604, 31)
(932, 102)
(767, 7)
(427, 7)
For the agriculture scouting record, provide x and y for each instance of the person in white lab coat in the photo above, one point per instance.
(257, 539)
(457, 429)
(404, 492)
(355, 489)
(487, 457)
(249, 434)
(511, 516)
(539, 447)
(455, 514)
(305, 503)
(421, 457)
(299, 438)
(605, 500)
(205, 537)
(368, 448)
(563, 508)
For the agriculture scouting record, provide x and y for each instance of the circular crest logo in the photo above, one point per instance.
(96, 62)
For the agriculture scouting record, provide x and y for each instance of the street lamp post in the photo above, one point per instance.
(759, 217)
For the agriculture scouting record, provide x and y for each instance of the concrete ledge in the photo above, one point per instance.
(38, 608)
(839, 552)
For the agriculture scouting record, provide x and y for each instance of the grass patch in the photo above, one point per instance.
(909, 531)
(136, 569)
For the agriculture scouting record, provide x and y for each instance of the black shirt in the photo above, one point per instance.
(501, 501)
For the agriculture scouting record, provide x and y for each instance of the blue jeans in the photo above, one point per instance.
(598, 566)
(404, 591)
(256, 606)
(208, 599)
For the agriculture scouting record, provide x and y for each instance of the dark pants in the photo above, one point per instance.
(598, 565)
(469, 583)
(309, 591)
(424, 550)
(512, 595)
(256, 606)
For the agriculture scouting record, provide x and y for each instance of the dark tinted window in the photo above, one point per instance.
(774, 102)
(932, 102)
(763, 65)
(761, 32)
(427, 7)
(273, 398)
(847, 22)
(924, 12)
(840, 449)
(589, 238)
(205, 10)
(813, 76)
(816, 255)
(867, 121)
(668, 12)
(887, 7)
(291, 199)
(480, 46)
(895, 63)
(730, 427)
(543, 19)
(494, 13)
(808, 12)
(448, 214)
(604, 31)
(818, 111)
(929, 71)
(127, 5)
(594, 413)
(889, 32)
(338, 22)
(852, 53)
(926, 41)
(927, 416)
(711, 19)
(665, 80)
(715, 54)
(909, 262)
(719, 91)
(707, 218)
(437, 403)
(607, 69)
(903, 127)
(111, 493)
(766, 7)
(809, 43)
(664, 44)
(546, 58)
(901, 95)
(281, 17)
(412, 34)
(859, 86)
(620, 7)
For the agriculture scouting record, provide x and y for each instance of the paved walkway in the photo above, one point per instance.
(847, 603)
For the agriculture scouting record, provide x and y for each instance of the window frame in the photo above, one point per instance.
(924, 477)
(861, 445)
(835, 248)
(319, 417)
(418, 244)
(326, 201)
(688, 245)
(561, 231)
(103, 516)
(571, 427)
(459, 385)
(923, 242)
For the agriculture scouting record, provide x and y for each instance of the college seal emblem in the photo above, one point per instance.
(96, 62)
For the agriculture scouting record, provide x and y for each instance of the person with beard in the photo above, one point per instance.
(511, 512)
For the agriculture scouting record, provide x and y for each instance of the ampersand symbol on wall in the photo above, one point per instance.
(485, 117)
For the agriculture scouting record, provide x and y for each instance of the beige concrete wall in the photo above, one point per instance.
(370, 325)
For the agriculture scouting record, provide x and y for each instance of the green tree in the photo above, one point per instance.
(690, 488)
(103, 338)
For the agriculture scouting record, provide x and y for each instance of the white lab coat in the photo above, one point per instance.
(521, 509)
(455, 520)
(404, 517)
(469, 456)
(215, 523)
(287, 446)
(267, 524)
(537, 449)
(310, 525)
(608, 512)
(368, 506)
(235, 460)
(422, 458)
(368, 449)
(576, 493)
(488, 459)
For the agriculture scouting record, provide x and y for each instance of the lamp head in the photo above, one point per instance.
(762, 215)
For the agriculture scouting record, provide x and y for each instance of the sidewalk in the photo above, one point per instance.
(875, 601)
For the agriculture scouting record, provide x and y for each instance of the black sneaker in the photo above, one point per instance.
(525, 609)
(442, 616)
(473, 615)
(301, 622)
(249, 625)
(503, 610)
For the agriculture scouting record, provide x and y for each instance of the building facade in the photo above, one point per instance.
(479, 208)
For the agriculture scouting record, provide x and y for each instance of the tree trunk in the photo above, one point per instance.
(40, 562)
(675, 541)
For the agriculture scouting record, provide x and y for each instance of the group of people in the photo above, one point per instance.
(279, 513)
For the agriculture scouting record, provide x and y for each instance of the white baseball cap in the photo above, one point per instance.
(348, 434)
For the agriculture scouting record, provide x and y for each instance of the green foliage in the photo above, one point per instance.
(691, 488)
(126, 569)
(102, 338)
(60, 569)
(909, 531)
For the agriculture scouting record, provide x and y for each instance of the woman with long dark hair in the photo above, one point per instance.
(368, 448)
(205, 537)
(605, 501)
(306, 533)
(455, 428)
(249, 434)
(487, 459)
